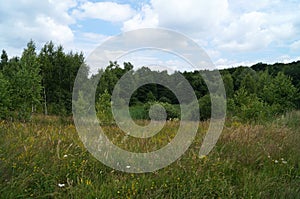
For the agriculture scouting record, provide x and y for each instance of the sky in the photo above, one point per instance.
(232, 32)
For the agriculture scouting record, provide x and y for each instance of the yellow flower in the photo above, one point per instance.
(88, 182)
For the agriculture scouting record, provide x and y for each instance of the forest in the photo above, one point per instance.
(42, 82)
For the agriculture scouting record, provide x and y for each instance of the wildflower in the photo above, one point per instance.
(61, 185)
(65, 156)
(128, 167)
(284, 162)
(276, 161)
(88, 182)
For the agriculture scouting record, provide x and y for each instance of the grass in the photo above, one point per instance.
(46, 159)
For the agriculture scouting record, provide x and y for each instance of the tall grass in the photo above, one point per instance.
(46, 159)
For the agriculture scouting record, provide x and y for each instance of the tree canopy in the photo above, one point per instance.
(43, 82)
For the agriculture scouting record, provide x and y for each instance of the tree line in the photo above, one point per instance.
(38, 82)
(43, 83)
(255, 93)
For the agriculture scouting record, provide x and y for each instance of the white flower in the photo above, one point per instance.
(284, 162)
(128, 167)
(61, 184)
(65, 156)
(276, 161)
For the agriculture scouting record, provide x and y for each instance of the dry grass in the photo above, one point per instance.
(46, 159)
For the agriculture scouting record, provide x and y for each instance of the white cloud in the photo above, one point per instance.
(239, 6)
(224, 28)
(93, 37)
(190, 14)
(225, 63)
(48, 28)
(38, 20)
(108, 11)
(146, 18)
(154, 61)
(248, 32)
(86, 42)
(286, 59)
(295, 45)
(192, 17)
(223, 25)
(272, 24)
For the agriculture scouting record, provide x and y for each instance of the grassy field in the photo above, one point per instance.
(46, 159)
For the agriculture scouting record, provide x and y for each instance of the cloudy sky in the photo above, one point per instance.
(232, 32)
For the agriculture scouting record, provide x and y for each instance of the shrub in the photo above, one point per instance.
(103, 108)
(172, 110)
(248, 107)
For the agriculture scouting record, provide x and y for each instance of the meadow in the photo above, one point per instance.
(45, 158)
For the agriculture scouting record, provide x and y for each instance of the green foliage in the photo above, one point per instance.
(5, 98)
(280, 93)
(240, 74)
(48, 79)
(165, 99)
(171, 110)
(228, 84)
(249, 83)
(150, 97)
(81, 107)
(248, 107)
(25, 83)
(205, 107)
(58, 70)
(138, 112)
(4, 59)
(103, 108)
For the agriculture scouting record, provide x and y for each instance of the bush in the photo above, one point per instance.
(172, 111)
(103, 108)
(248, 107)
(205, 107)
(281, 94)
(138, 112)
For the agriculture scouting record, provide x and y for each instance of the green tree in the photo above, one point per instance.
(59, 71)
(103, 108)
(228, 84)
(264, 80)
(150, 97)
(5, 100)
(4, 59)
(249, 83)
(248, 107)
(280, 93)
(81, 107)
(26, 83)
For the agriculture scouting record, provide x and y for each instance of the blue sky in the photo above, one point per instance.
(232, 32)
